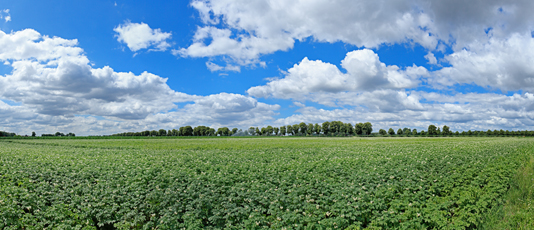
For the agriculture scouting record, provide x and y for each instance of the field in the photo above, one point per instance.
(253, 183)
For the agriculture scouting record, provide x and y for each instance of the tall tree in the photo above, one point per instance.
(295, 129)
(269, 130)
(282, 130)
(310, 129)
(368, 127)
(303, 128)
(446, 130)
(432, 130)
(317, 129)
(289, 129)
(276, 130)
(391, 131)
(382, 132)
(399, 132)
(326, 127)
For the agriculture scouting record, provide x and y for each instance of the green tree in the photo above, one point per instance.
(303, 128)
(358, 129)
(234, 130)
(414, 132)
(349, 128)
(382, 132)
(446, 130)
(289, 129)
(399, 132)
(432, 130)
(368, 127)
(269, 130)
(295, 129)
(258, 132)
(252, 131)
(325, 127)
(391, 131)
(310, 129)
(317, 129)
(33, 134)
(276, 131)
(282, 130)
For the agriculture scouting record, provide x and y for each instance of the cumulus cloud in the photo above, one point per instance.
(504, 64)
(53, 86)
(138, 36)
(461, 112)
(244, 30)
(364, 72)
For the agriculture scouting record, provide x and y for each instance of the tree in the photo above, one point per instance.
(33, 134)
(382, 132)
(368, 127)
(326, 127)
(282, 130)
(289, 129)
(252, 131)
(317, 129)
(269, 130)
(162, 132)
(399, 132)
(438, 132)
(303, 128)
(358, 129)
(349, 128)
(414, 132)
(211, 132)
(391, 131)
(423, 133)
(234, 130)
(276, 130)
(406, 131)
(432, 130)
(258, 132)
(310, 129)
(188, 131)
(295, 129)
(153, 133)
(446, 130)
(263, 131)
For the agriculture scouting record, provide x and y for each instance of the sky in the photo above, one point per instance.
(104, 67)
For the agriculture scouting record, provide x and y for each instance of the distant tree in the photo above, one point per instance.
(162, 132)
(399, 132)
(358, 128)
(234, 130)
(303, 128)
(153, 133)
(349, 128)
(282, 130)
(296, 128)
(211, 132)
(368, 127)
(258, 132)
(269, 130)
(188, 131)
(406, 131)
(446, 130)
(469, 132)
(309, 130)
(263, 131)
(489, 132)
(414, 131)
(223, 131)
(33, 134)
(325, 127)
(438, 132)
(457, 133)
(391, 131)
(317, 128)
(252, 131)
(507, 133)
(382, 132)
(432, 130)
(276, 131)
(289, 129)
(423, 133)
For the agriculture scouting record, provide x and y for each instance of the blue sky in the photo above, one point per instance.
(103, 67)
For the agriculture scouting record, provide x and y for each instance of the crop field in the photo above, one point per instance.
(254, 183)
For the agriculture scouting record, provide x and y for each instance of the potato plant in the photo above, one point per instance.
(281, 183)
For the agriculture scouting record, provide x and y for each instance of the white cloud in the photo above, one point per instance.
(499, 64)
(244, 30)
(4, 14)
(214, 67)
(365, 72)
(54, 88)
(431, 58)
(461, 112)
(138, 36)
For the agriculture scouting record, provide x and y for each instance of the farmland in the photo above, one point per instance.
(237, 183)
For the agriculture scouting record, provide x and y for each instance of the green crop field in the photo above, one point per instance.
(253, 183)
